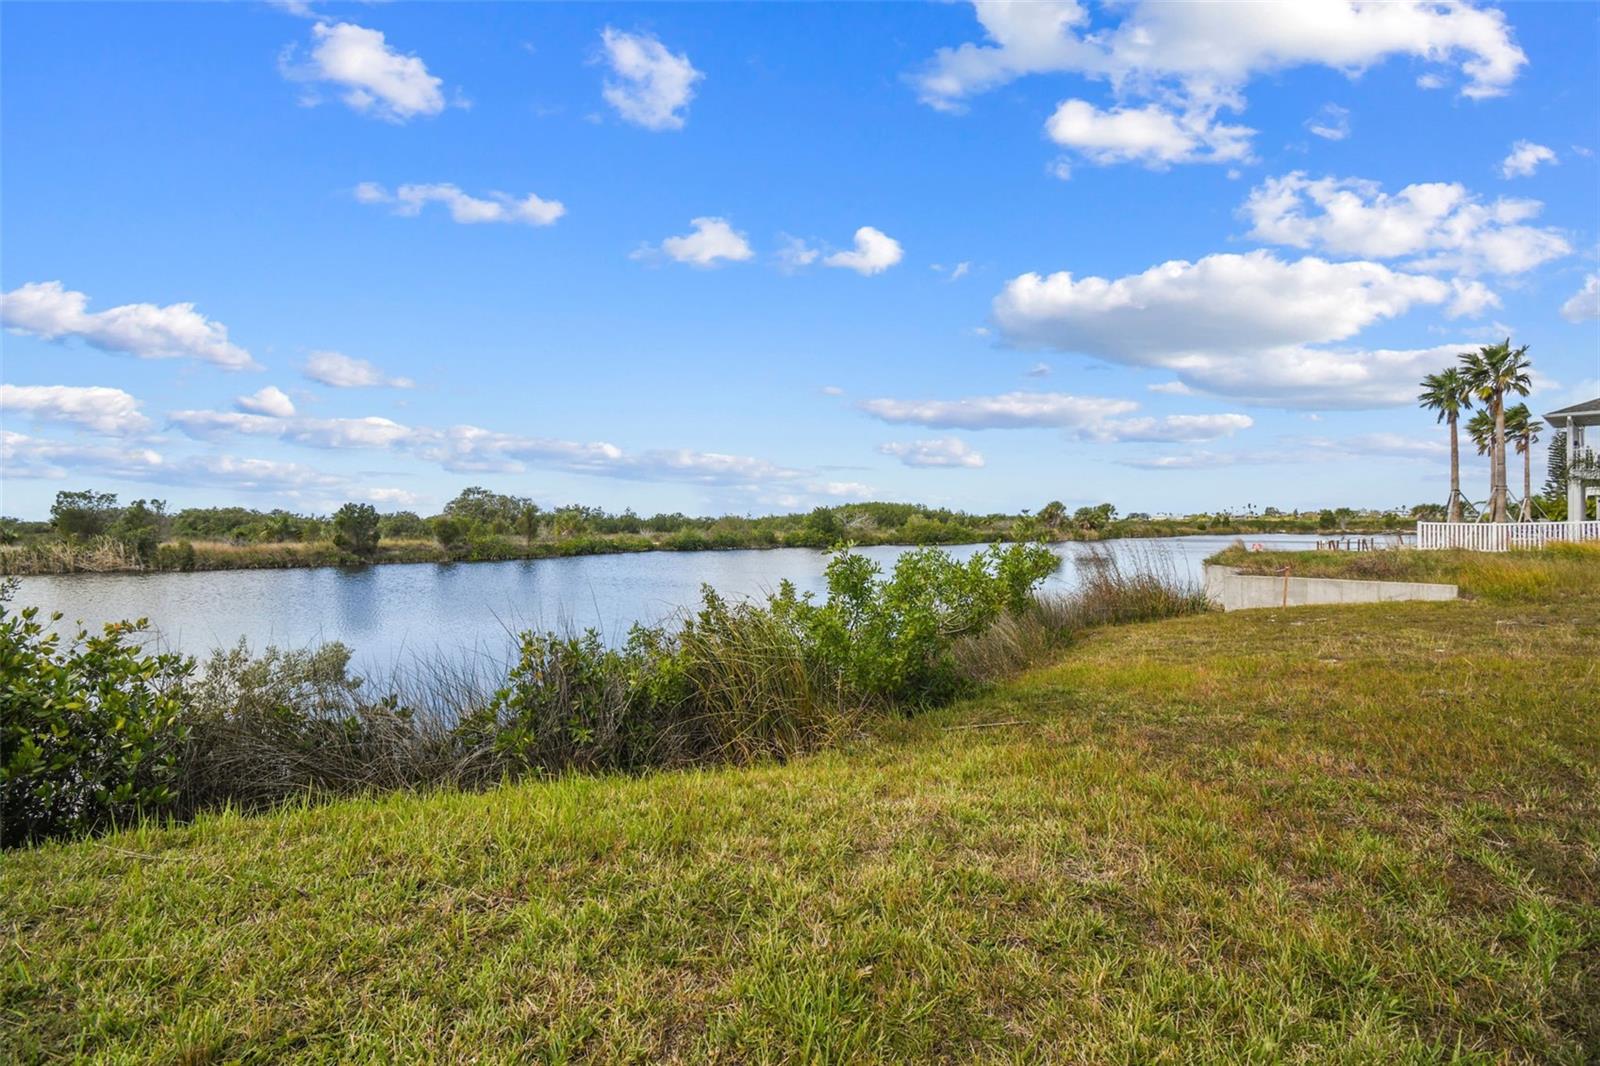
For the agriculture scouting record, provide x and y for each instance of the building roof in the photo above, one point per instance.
(1586, 413)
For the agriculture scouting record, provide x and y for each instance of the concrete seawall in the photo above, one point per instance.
(1233, 591)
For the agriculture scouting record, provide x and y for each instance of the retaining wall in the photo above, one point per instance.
(1233, 591)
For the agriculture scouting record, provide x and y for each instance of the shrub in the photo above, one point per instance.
(355, 528)
(91, 731)
(296, 722)
(451, 533)
(891, 639)
(179, 555)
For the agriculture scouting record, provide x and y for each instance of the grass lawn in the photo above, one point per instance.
(1362, 834)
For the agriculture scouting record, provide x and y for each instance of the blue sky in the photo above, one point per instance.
(754, 258)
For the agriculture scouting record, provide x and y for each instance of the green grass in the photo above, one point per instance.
(1365, 834)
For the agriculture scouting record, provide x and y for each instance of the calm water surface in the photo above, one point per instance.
(393, 614)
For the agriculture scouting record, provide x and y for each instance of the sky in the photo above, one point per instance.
(728, 258)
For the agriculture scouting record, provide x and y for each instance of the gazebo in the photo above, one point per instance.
(1583, 465)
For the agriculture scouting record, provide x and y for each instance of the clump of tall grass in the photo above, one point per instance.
(93, 555)
(1112, 588)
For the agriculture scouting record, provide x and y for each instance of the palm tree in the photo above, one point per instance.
(1480, 430)
(1449, 393)
(1523, 429)
(1493, 371)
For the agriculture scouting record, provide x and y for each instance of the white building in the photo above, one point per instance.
(1583, 465)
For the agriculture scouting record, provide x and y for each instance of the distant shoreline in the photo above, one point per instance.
(97, 557)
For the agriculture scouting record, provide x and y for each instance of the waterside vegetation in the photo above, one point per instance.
(90, 532)
(99, 730)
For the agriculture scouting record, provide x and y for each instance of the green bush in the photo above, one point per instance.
(92, 730)
(891, 639)
(355, 529)
(176, 556)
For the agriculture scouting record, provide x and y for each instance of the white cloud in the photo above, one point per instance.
(795, 254)
(1471, 300)
(1171, 388)
(1524, 159)
(942, 451)
(1210, 51)
(270, 400)
(1039, 370)
(346, 372)
(832, 390)
(1583, 305)
(874, 252)
(1170, 428)
(370, 432)
(94, 407)
(49, 310)
(1012, 410)
(1331, 122)
(376, 80)
(652, 87)
(465, 448)
(392, 497)
(960, 270)
(1439, 225)
(1236, 325)
(1292, 451)
(408, 200)
(713, 239)
(1151, 135)
(35, 457)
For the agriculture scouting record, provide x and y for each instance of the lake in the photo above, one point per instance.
(392, 614)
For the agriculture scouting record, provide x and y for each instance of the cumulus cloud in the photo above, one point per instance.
(467, 448)
(1151, 135)
(1190, 61)
(1292, 451)
(1437, 225)
(712, 240)
(1583, 305)
(23, 456)
(1524, 159)
(1012, 410)
(1209, 51)
(941, 451)
(375, 79)
(271, 401)
(346, 372)
(1236, 325)
(1091, 418)
(1331, 122)
(1170, 428)
(94, 407)
(49, 310)
(875, 251)
(651, 86)
(391, 497)
(408, 200)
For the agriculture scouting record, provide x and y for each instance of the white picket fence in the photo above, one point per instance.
(1502, 536)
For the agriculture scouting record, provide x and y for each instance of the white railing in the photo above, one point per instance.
(1502, 536)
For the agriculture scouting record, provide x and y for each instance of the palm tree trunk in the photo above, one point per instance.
(1526, 514)
(1453, 514)
(1499, 456)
